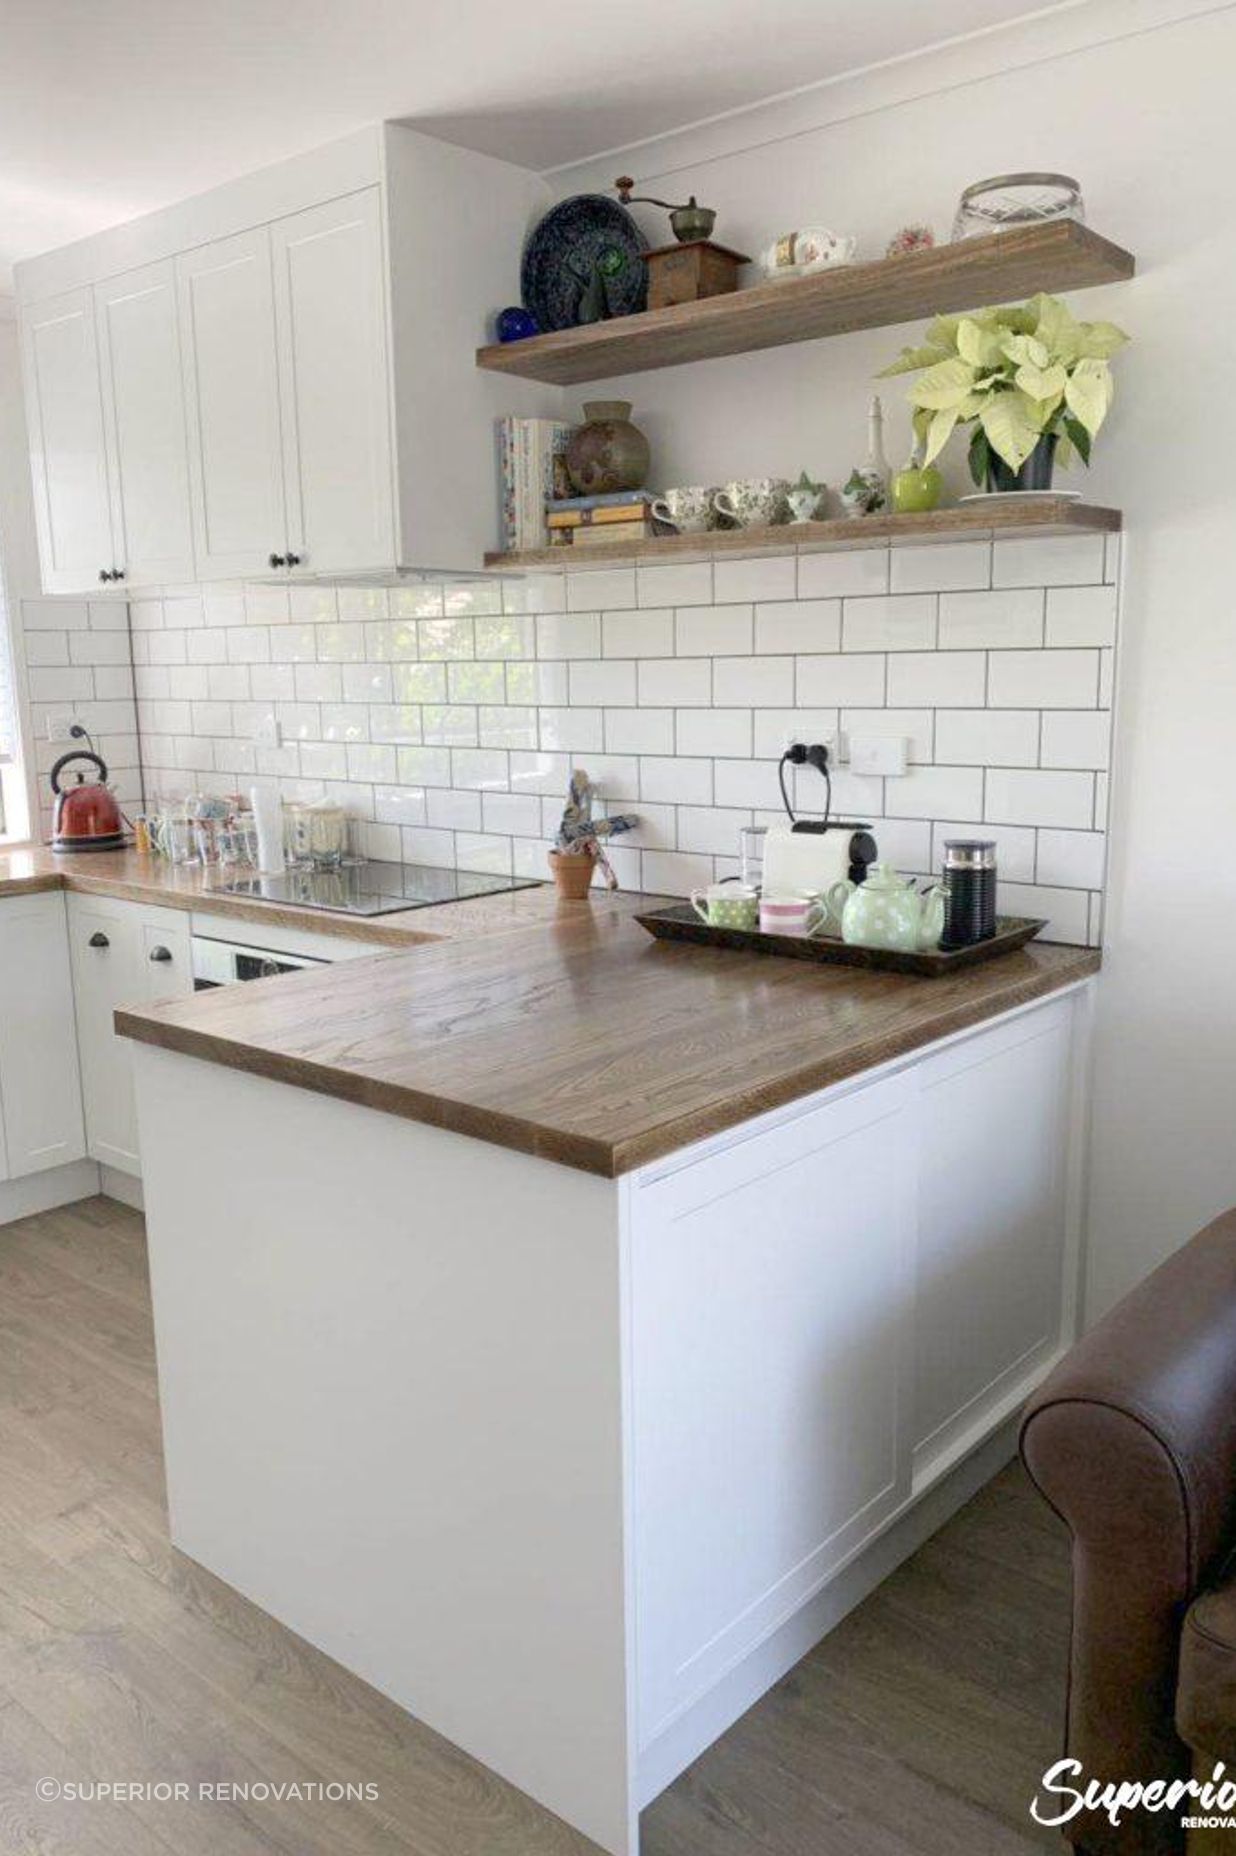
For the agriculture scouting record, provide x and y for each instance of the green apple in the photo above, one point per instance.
(915, 490)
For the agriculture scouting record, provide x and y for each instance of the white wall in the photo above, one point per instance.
(19, 563)
(1147, 124)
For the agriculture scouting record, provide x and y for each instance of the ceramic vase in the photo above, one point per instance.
(573, 873)
(607, 453)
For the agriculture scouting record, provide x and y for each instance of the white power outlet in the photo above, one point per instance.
(60, 725)
(879, 754)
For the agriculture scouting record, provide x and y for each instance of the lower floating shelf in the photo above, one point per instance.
(1054, 515)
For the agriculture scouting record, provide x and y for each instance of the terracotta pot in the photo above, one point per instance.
(607, 453)
(573, 874)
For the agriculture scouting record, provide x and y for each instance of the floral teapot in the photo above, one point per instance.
(887, 911)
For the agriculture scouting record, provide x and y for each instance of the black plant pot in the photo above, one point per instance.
(1035, 473)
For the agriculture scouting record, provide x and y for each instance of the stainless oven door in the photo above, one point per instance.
(225, 963)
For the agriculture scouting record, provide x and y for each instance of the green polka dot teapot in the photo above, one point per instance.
(887, 911)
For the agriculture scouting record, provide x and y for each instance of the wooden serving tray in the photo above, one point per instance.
(681, 923)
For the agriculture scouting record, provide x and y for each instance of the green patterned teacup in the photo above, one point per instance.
(727, 905)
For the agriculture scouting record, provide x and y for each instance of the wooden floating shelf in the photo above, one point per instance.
(977, 271)
(1054, 515)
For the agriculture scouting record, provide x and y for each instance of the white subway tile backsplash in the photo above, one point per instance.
(843, 575)
(600, 681)
(674, 583)
(638, 634)
(475, 682)
(746, 783)
(832, 682)
(439, 639)
(1044, 679)
(675, 873)
(641, 731)
(892, 622)
(450, 721)
(1001, 620)
(563, 634)
(753, 682)
(711, 829)
(512, 725)
(1072, 858)
(575, 731)
(1074, 560)
(1081, 615)
(1076, 737)
(683, 682)
(1066, 911)
(794, 626)
(604, 590)
(677, 780)
(987, 737)
(452, 809)
(938, 679)
(713, 731)
(754, 577)
(935, 792)
(940, 567)
(1039, 797)
(418, 683)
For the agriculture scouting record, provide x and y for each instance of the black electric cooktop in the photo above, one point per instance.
(371, 888)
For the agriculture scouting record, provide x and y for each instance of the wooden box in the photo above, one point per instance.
(685, 273)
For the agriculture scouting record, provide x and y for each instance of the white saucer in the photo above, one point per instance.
(1022, 496)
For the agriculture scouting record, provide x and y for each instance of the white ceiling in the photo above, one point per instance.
(109, 108)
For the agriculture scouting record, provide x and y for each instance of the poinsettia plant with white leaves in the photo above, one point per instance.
(1017, 374)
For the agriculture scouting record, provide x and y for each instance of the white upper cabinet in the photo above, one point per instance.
(144, 424)
(64, 413)
(231, 384)
(335, 384)
(312, 407)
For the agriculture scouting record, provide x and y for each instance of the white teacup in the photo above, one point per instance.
(688, 510)
(794, 915)
(752, 502)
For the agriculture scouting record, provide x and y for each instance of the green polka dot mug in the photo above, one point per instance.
(727, 905)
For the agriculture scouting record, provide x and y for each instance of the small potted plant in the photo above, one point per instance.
(578, 846)
(1034, 383)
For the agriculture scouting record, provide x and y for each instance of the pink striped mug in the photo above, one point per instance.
(793, 915)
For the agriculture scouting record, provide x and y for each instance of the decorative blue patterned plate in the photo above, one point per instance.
(586, 242)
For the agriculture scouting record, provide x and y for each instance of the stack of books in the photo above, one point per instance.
(590, 521)
(532, 472)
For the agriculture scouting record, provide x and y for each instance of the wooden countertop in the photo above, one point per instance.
(135, 878)
(582, 1040)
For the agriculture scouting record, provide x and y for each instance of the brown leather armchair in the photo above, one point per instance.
(1132, 1439)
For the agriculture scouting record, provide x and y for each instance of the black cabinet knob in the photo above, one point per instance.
(293, 560)
(278, 560)
(99, 939)
(104, 574)
(117, 573)
(160, 953)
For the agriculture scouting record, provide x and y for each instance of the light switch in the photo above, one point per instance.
(879, 754)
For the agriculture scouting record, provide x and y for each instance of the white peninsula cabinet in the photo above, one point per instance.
(575, 1467)
(121, 952)
(276, 379)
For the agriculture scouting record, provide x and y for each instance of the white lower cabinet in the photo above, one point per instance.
(40, 1091)
(122, 952)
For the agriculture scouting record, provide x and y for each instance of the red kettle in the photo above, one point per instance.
(87, 816)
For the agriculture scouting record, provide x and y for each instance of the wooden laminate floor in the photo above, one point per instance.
(918, 1728)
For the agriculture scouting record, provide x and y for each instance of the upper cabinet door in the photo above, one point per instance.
(67, 453)
(227, 337)
(335, 384)
(144, 421)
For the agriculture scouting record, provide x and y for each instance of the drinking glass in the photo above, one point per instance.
(751, 854)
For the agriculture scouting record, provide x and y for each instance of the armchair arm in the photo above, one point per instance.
(1133, 1441)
